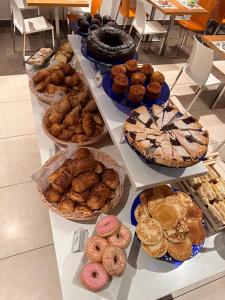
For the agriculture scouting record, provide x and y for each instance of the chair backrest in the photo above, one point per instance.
(218, 14)
(199, 63)
(95, 6)
(140, 16)
(203, 19)
(18, 19)
(115, 8)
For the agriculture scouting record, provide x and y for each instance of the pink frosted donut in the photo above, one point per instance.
(107, 226)
(120, 239)
(94, 277)
(94, 248)
(114, 260)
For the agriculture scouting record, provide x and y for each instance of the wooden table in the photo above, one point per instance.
(180, 10)
(56, 4)
(209, 39)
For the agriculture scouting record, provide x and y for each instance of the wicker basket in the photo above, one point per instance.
(64, 143)
(41, 179)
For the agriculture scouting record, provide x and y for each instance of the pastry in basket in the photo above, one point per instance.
(165, 136)
(74, 119)
(82, 185)
(64, 54)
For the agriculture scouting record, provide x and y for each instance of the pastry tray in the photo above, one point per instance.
(111, 291)
(215, 165)
(46, 61)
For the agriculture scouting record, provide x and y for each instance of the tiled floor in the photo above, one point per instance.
(28, 268)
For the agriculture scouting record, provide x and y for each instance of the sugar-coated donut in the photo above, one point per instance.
(120, 239)
(114, 260)
(94, 277)
(94, 248)
(107, 226)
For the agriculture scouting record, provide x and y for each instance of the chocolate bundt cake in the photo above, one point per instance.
(110, 45)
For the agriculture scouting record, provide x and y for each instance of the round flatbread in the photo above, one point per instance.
(196, 231)
(184, 198)
(162, 191)
(166, 215)
(177, 234)
(149, 231)
(179, 205)
(157, 250)
(141, 212)
(146, 196)
(180, 251)
(193, 211)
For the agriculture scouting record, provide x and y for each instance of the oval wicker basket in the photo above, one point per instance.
(64, 144)
(55, 161)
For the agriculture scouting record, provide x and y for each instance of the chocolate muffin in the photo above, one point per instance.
(147, 69)
(120, 84)
(153, 90)
(84, 25)
(158, 77)
(118, 69)
(131, 66)
(138, 78)
(136, 93)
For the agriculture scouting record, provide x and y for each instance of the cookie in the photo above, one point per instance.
(166, 215)
(141, 212)
(196, 231)
(180, 251)
(157, 250)
(149, 231)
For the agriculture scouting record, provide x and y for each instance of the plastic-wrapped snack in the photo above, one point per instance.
(212, 174)
(205, 190)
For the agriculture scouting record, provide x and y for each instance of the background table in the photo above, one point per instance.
(210, 39)
(179, 10)
(57, 4)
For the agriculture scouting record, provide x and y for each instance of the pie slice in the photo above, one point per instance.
(187, 122)
(133, 125)
(142, 114)
(201, 137)
(170, 113)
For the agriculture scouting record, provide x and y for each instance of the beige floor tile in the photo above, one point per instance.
(214, 290)
(24, 220)
(14, 88)
(16, 118)
(211, 119)
(19, 158)
(30, 276)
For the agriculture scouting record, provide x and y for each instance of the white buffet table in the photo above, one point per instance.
(145, 278)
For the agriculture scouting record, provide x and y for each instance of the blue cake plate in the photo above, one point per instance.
(195, 249)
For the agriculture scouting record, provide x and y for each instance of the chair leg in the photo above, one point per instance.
(162, 43)
(195, 98)
(178, 76)
(11, 22)
(24, 45)
(131, 27)
(218, 98)
(14, 38)
(125, 23)
(53, 39)
(139, 42)
(39, 11)
(217, 29)
(183, 40)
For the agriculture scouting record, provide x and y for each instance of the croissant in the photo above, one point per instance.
(72, 80)
(63, 182)
(83, 153)
(63, 106)
(79, 138)
(99, 167)
(66, 68)
(79, 198)
(66, 135)
(55, 129)
(88, 124)
(111, 178)
(40, 76)
(98, 119)
(73, 116)
(78, 98)
(90, 106)
(80, 165)
(41, 87)
(84, 181)
(57, 77)
(98, 196)
(52, 195)
(55, 117)
(83, 211)
(66, 205)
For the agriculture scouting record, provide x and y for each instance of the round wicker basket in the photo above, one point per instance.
(53, 163)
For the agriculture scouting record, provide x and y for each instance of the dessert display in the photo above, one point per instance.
(105, 253)
(56, 80)
(210, 189)
(110, 45)
(165, 136)
(74, 119)
(83, 185)
(169, 224)
(87, 23)
(40, 57)
(64, 54)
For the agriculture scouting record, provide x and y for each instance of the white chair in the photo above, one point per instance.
(29, 26)
(143, 26)
(198, 69)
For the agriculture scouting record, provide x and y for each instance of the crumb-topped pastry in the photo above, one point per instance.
(120, 84)
(158, 77)
(136, 93)
(118, 69)
(138, 78)
(147, 69)
(153, 90)
(131, 66)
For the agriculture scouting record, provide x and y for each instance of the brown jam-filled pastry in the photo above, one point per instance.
(99, 167)
(51, 88)
(79, 138)
(64, 106)
(66, 205)
(40, 76)
(88, 124)
(98, 196)
(56, 129)
(98, 130)
(72, 80)
(78, 98)
(66, 135)
(111, 178)
(76, 197)
(62, 180)
(83, 210)
(80, 165)
(73, 116)
(98, 119)
(90, 106)
(41, 87)
(66, 68)
(67, 162)
(106, 206)
(57, 77)
(52, 195)
(55, 117)
(83, 153)
(85, 181)
(79, 129)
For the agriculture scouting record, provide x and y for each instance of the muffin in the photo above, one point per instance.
(138, 78)
(136, 93)
(131, 66)
(120, 84)
(118, 69)
(158, 77)
(153, 90)
(147, 69)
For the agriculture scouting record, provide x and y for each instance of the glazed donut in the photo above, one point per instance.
(120, 239)
(94, 277)
(114, 260)
(107, 226)
(94, 248)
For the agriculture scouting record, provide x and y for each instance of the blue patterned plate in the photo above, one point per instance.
(195, 249)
